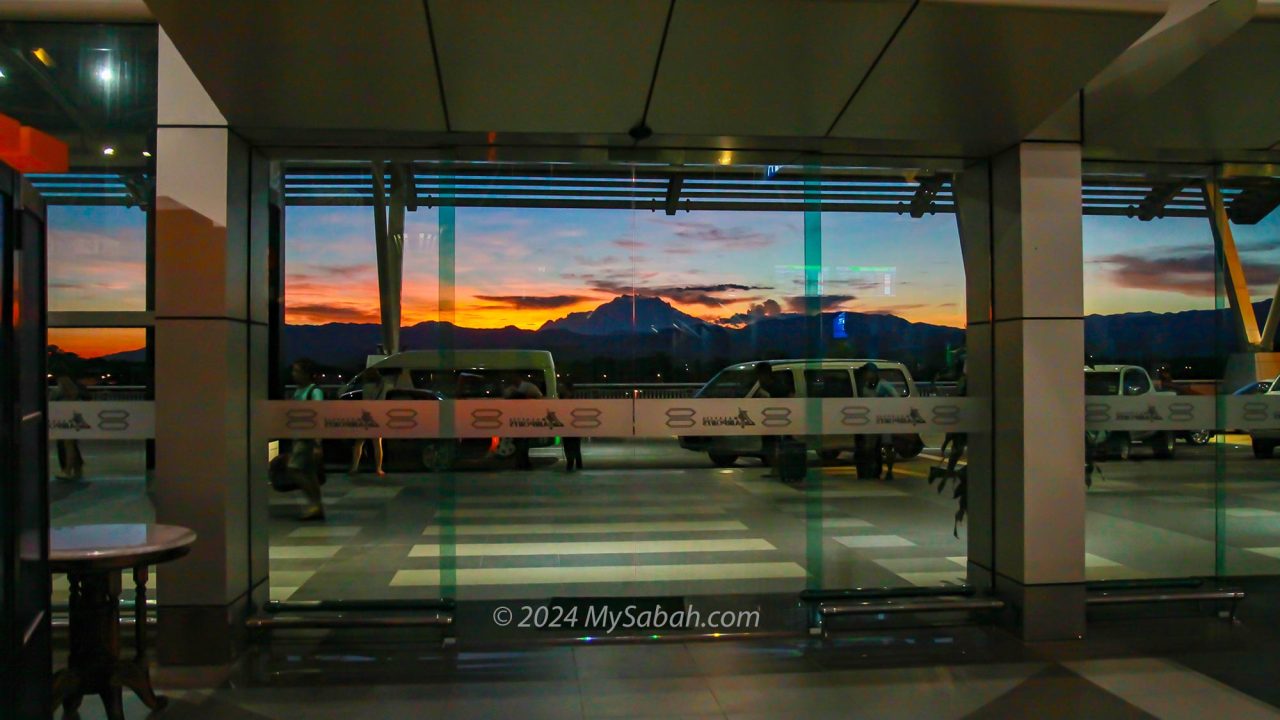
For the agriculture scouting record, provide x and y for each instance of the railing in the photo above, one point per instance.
(626, 391)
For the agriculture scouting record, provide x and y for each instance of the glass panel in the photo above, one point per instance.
(562, 280)
(1151, 303)
(97, 258)
(1249, 504)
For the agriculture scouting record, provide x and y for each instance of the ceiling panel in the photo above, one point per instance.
(548, 66)
(1228, 100)
(983, 76)
(309, 64)
(759, 67)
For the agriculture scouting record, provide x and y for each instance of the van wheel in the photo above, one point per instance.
(722, 460)
(829, 456)
(440, 455)
(1162, 445)
(1262, 449)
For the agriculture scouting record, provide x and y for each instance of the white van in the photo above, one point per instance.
(459, 375)
(832, 378)
(466, 374)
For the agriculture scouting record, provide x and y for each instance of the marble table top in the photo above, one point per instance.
(117, 545)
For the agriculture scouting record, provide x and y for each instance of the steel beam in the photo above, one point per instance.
(1237, 285)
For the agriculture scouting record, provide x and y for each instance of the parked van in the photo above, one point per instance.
(459, 375)
(795, 378)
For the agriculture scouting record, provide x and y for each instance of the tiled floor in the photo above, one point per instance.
(916, 675)
(652, 513)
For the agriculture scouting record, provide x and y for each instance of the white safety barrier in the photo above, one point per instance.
(114, 420)
(621, 418)
(135, 419)
(1183, 412)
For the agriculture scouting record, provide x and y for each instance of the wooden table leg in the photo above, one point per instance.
(94, 659)
(136, 675)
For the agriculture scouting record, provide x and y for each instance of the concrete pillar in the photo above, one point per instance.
(208, 314)
(1027, 494)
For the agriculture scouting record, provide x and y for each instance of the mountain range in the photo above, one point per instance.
(638, 326)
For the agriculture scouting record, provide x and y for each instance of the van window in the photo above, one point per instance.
(734, 383)
(784, 382)
(895, 378)
(1102, 383)
(472, 384)
(1136, 383)
(828, 383)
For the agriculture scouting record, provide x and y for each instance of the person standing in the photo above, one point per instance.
(305, 454)
(572, 445)
(519, 388)
(70, 461)
(767, 386)
(375, 388)
(876, 450)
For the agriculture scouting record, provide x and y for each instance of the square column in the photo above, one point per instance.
(210, 344)
(1027, 493)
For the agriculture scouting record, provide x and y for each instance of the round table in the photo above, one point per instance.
(92, 556)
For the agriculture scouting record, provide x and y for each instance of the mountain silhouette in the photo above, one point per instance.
(638, 312)
(631, 327)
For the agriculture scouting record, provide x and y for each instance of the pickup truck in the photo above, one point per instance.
(1125, 381)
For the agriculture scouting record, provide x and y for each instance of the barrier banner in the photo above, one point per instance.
(802, 416)
(104, 420)
(351, 418)
(1151, 412)
(717, 416)
(1251, 412)
(905, 415)
(541, 418)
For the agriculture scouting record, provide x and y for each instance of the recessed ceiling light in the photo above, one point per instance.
(43, 56)
(1, 74)
(106, 74)
(108, 151)
(146, 153)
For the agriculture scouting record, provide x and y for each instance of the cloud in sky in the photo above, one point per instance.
(1189, 272)
(800, 303)
(526, 302)
(630, 244)
(757, 311)
(704, 295)
(311, 313)
(731, 238)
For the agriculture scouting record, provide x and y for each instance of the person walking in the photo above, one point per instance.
(376, 386)
(572, 445)
(305, 455)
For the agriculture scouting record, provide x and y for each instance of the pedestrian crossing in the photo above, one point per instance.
(589, 536)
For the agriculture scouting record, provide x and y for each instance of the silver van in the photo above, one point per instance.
(832, 378)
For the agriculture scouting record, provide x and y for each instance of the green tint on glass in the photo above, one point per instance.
(813, 406)
(446, 231)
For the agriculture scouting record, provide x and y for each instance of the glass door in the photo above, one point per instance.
(24, 517)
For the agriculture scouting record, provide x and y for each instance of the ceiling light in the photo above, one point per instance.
(1, 74)
(43, 56)
(105, 74)
(108, 151)
(146, 153)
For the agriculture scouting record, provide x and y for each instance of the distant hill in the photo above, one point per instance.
(139, 355)
(609, 333)
(643, 314)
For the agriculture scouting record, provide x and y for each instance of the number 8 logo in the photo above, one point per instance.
(113, 420)
(681, 417)
(855, 415)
